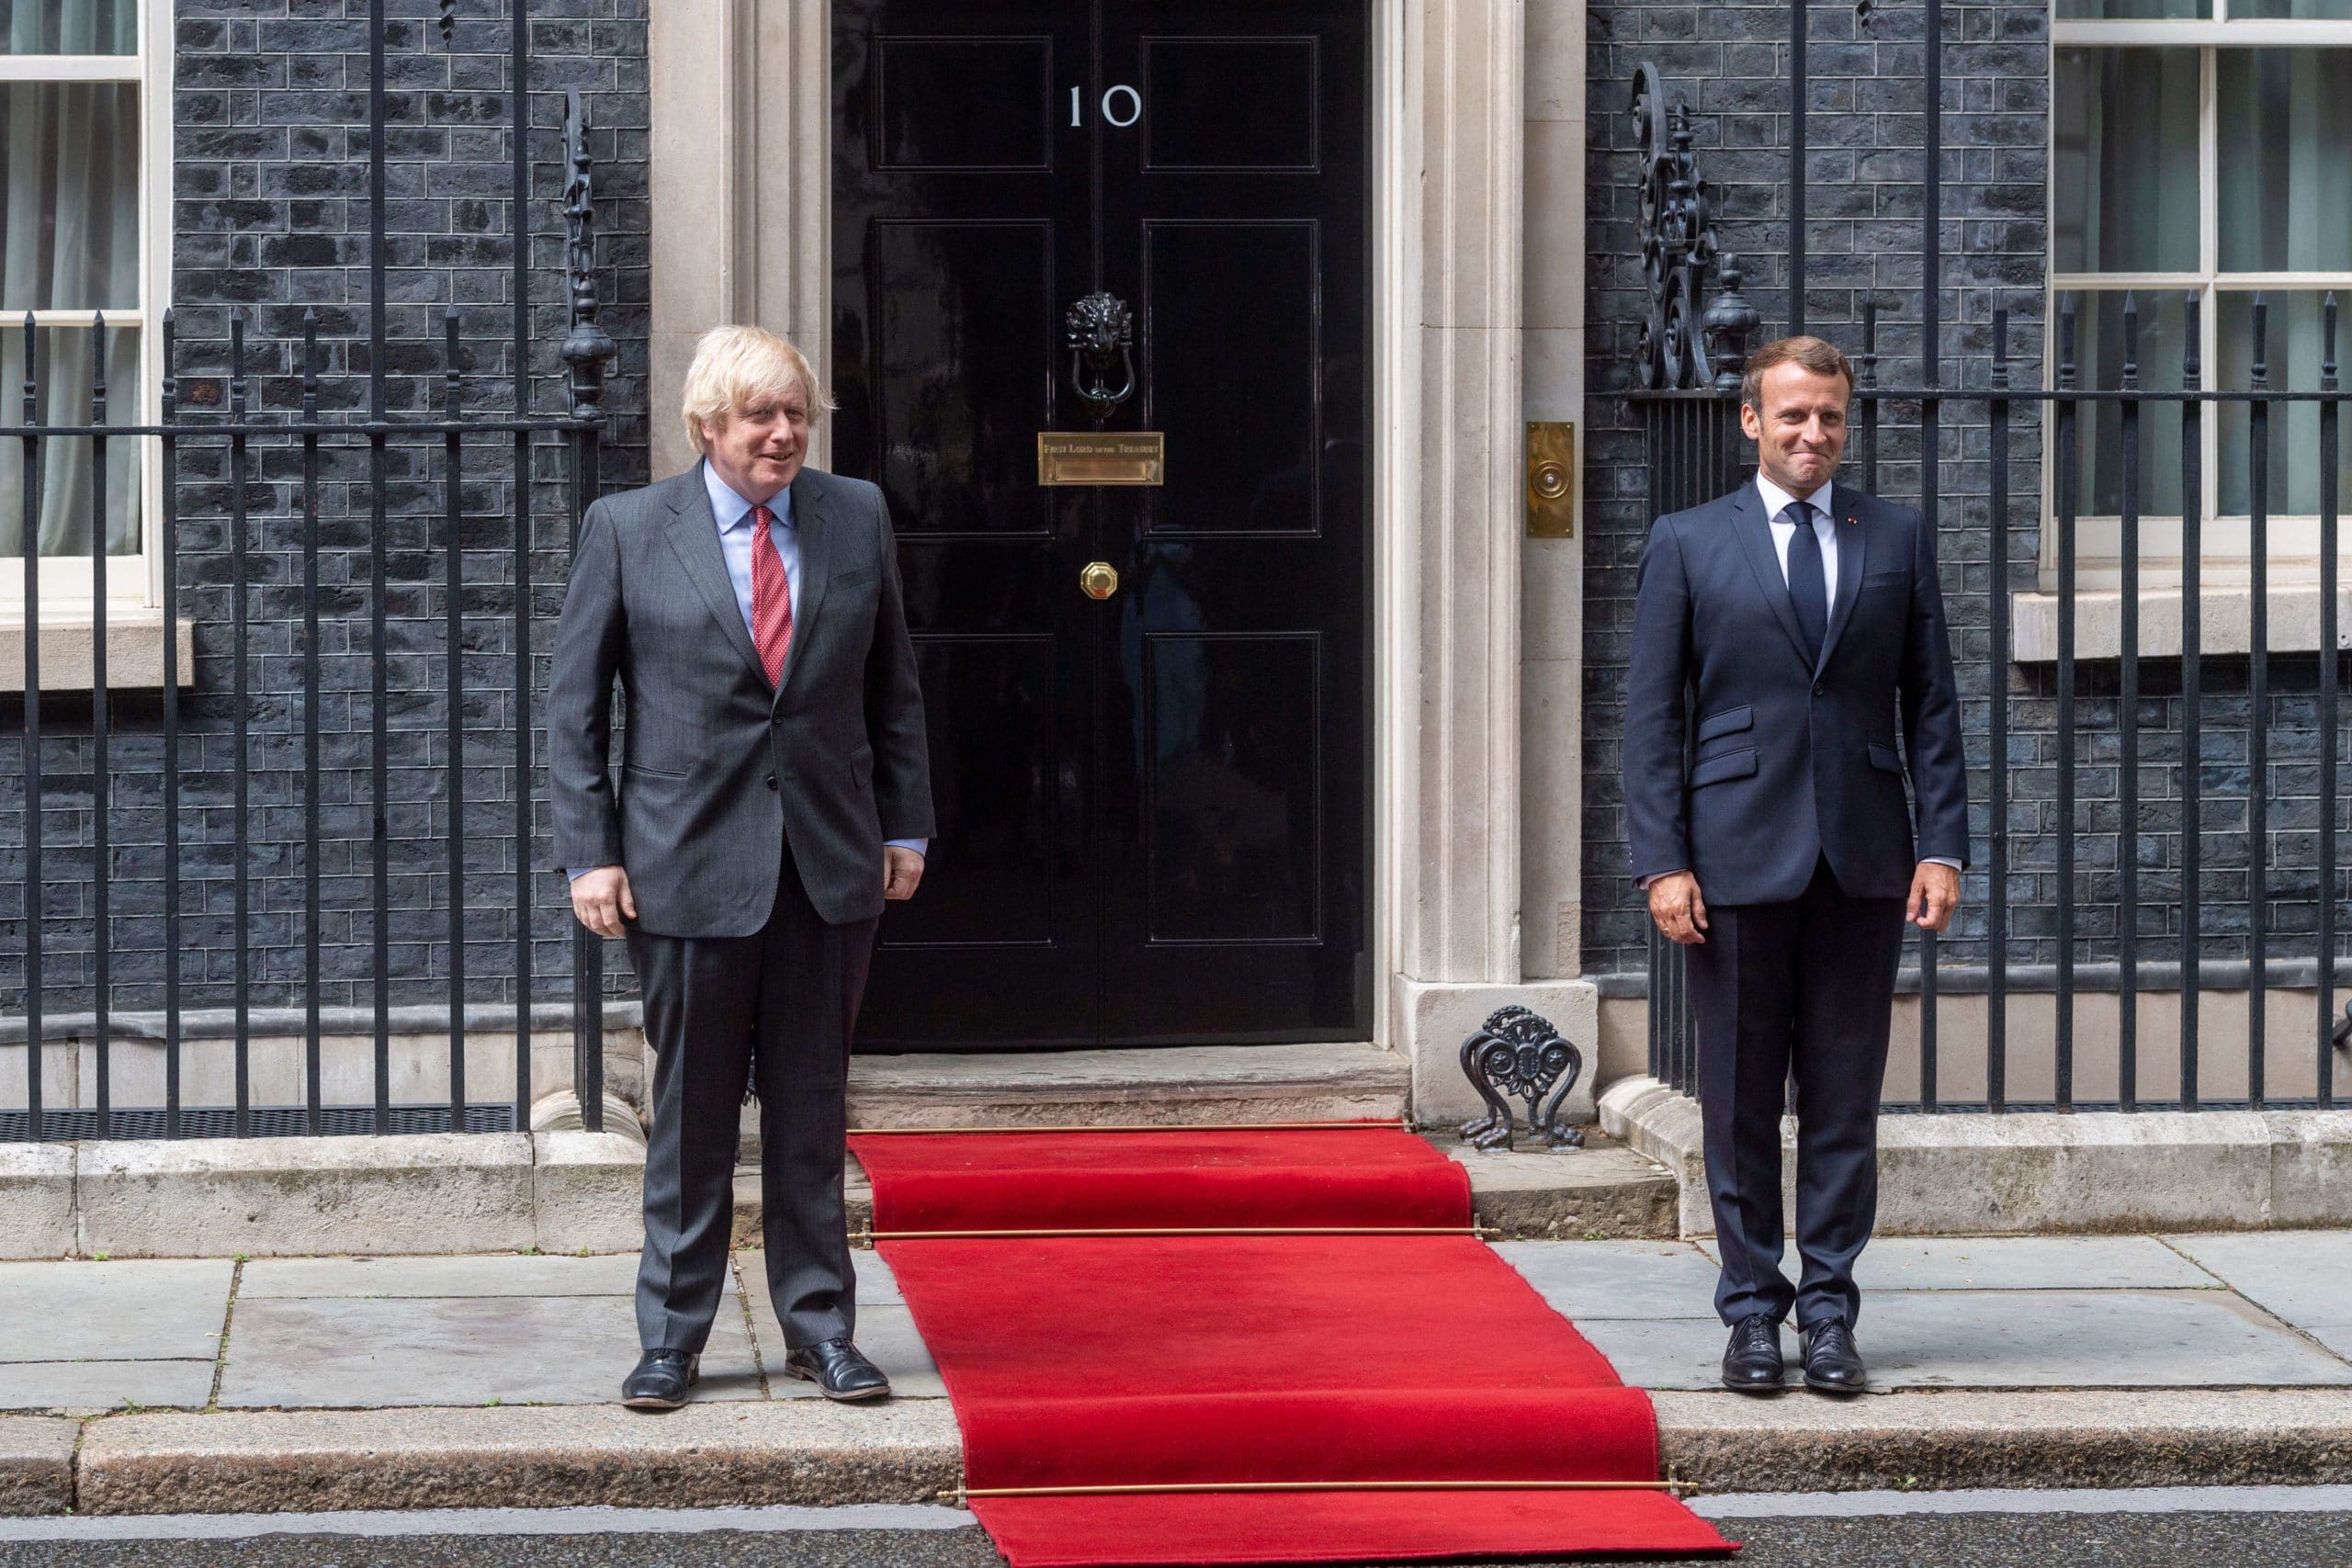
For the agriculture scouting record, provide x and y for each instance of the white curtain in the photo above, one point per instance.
(69, 241)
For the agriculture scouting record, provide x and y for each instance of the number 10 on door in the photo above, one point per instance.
(1115, 99)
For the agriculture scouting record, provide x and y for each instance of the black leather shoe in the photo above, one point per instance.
(662, 1379)
(1832, 1365)
(1752, 1360)
(837, 1369)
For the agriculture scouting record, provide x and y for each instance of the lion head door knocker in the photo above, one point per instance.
(1099, 332)
(1519, 1053)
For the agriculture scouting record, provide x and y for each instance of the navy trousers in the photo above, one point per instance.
(776, 1009)
(1803, 987)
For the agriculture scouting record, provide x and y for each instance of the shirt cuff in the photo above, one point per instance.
(1644, 882)
(920, 846)
(1940, 859)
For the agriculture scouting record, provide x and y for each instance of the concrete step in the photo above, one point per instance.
(806, 1451)
(1097, 1088)
(1601, 1191)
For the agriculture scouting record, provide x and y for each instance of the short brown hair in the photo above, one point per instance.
(1816, 354)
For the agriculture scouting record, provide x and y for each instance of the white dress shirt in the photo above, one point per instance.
(1777, 503)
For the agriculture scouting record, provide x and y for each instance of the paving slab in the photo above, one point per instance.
(2303, 1277)
(876, 1285)
(1933, 1441)
(37, 1464)
(707, 1455)
(457, 1352)
(89, 1387)
(2016, 1263)
(1596, 1280)
(123, 1311)
(2016, 1340)
(494, 1274)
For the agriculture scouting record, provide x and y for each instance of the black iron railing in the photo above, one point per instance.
(1696, 453)
(315, 481)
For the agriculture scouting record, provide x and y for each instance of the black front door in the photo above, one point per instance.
(1153, 806)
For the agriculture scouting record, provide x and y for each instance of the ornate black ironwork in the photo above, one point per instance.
(1099, 332)
(448, 20)
(1517, 1051)
(1682, 346)
(587, 346)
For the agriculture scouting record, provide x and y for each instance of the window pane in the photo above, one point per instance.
(2099, 429)
(2293, 349)
(69, 26)
(2123, 160)
(64, 465)
(2139, 10)
(2300, 10)
(69, 195)
(2286, 124)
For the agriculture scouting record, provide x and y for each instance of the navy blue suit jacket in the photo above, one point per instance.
(1791, 761)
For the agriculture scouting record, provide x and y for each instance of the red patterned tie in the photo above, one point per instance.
(771, 597)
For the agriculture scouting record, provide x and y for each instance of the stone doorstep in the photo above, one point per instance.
(1604, 1191)
(2043, 1173)
(807, 1452)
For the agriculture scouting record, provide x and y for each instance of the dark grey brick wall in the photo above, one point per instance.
(270, 217)
(1865, 157)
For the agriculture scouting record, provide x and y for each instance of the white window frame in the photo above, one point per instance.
(134, 581)
(2293, 554)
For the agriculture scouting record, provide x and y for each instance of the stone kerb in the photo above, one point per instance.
(2030, 1172)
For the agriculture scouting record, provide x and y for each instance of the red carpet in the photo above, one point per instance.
(1134, 1360)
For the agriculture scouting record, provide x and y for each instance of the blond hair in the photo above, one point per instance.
(735, 366)
(1816, 354)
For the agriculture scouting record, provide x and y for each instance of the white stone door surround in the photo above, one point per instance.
(741, 106)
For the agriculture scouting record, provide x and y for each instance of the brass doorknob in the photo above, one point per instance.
(1098, 579)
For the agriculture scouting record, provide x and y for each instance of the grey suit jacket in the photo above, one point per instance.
(722, 769)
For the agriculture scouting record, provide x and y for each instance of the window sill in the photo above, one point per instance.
(2225, 612)
(134, 651)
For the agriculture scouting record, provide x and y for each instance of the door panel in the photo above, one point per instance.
(1153, 808)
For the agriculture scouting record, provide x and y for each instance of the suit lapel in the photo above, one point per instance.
(693, 533)
(1755, 536)
(1853, 559)
(811, 525)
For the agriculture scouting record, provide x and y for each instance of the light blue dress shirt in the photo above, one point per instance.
(735, 533)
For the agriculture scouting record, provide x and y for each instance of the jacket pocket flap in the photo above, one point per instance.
(1730, 765)
(1883, 759)
(1726, 722)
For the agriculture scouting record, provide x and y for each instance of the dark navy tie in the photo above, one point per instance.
(1806, 591)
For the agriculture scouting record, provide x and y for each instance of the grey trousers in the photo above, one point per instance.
(775, 1010)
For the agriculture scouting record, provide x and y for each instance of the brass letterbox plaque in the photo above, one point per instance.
(1551, 479)
(1087, 457)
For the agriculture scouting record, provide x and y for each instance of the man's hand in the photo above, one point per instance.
(1677, 907)
(602, 899)
(901, 871)
(1934, 893)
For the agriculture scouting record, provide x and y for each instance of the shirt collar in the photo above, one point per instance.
(1777, 501)
(733, 511)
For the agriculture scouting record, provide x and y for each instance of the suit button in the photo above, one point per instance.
(1816, 691)
(771, 781)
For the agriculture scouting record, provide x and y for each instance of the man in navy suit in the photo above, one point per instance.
(1784, 636)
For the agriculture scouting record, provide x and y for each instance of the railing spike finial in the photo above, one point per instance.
(97, 368)
(236, 364)
(587, 346)
(2130, 342)
(1868, 360)
(171, 382)
(2066, 341)
(32, 386)
(2260, 370)
(453, 377)
(2327, 342)
(309, 363)
(449, 20)
(2001, 348)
